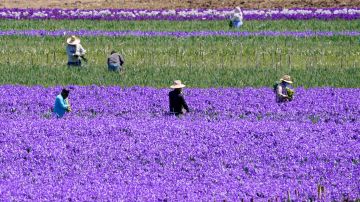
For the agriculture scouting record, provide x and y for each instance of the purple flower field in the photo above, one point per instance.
(323, 104)
(180, 34)
(182, 14)
(121, 144)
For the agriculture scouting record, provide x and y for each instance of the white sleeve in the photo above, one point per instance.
(279, 91)
(237, 16)
(80, 50)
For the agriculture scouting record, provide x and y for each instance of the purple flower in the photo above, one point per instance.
(179, 34)
(181, 14)
(119, 144)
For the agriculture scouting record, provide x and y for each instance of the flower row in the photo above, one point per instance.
(171, 159)
(119, 144)
(310, 105)
(180, 34)
(182, 14)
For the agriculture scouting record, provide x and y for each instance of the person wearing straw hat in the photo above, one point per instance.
(177, 101)
(74, 51)
(236, 19)
(61, 103)
(284, 90)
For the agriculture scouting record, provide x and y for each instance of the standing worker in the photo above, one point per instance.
(115, 61)
(75, 51)
(177, 102)
(236, 19)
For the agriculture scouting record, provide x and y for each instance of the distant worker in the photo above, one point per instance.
(176, 99)
(75, 52)
(115, 61)
(62, 104)
(283, 89)
(236, 19)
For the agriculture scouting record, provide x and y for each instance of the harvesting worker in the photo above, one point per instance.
(177, 101)
(284, 90)
(115, 61)
(75, 51)
(62, 104)
(236, 19)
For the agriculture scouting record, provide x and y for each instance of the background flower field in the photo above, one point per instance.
(119, 143)
(173, 4)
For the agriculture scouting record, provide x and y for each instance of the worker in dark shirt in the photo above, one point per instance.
(176, 99)
(115, 61)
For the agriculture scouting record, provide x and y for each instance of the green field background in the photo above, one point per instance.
(198, 61)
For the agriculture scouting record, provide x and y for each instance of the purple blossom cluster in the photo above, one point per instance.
(181, 14)
(120, 144)
(179, 34)
(322, 104)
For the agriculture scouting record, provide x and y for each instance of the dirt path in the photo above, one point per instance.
(171, 4)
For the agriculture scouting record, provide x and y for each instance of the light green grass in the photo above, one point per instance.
(279, 25)
(162, 76)
(200, 61)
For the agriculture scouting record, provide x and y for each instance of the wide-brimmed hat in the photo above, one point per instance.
(286, 78)
(73, 40)
(177, 84)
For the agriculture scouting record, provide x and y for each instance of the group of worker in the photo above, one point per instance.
(177, 104)
(76, 54)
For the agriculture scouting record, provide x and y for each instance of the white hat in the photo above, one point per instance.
(177, 84)
(286, 78)
(238, 9)
(73, 40)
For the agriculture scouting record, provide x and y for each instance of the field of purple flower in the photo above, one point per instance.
(120, 144)
(253, 104)
(235, 144)
(181, 14)
(180, 34)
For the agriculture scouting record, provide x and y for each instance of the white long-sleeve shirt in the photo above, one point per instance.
(237, 17)
(74, 51)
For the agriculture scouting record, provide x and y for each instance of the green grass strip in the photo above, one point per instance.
(199, 61)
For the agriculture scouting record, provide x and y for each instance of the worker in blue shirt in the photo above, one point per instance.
(61, 103)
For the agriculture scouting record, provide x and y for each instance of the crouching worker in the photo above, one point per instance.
(176, 99)
(62, 104)
(284, 90)
(115, 61)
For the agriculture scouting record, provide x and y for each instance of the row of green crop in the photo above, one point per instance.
(162, 76)
(281, 25)
(209, 52)
(202, 61)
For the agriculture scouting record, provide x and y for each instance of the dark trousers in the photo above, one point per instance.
(74, 64)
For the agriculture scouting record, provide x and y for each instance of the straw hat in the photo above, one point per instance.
(177, 84)
(73, 40)
(286, 78)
